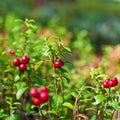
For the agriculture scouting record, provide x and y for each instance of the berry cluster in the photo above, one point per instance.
(110, 82)
(39, 95)
(58, 64)
(21, 63)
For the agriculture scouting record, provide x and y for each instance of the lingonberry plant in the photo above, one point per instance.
(37, 85)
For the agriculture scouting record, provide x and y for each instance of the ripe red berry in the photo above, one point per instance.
(16, 62)
(115, 81)
(44, 89)
(62, 63)
(36, 101)
(44, 96)
(111, 83)
(34, 92)
(22, 67)
(25, 59)
(105, 84)
(11, 51)
(58, 64)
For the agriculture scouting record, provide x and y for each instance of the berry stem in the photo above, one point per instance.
(55, 82)
(107, 101)
(61, 84)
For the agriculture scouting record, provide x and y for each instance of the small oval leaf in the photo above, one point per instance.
(20, 93)
(69, 105)
(38, 64)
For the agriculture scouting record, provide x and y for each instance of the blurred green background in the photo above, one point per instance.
(100, 17)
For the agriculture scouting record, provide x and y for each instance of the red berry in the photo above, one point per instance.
(107, 80)
(105, 84)
(22, 67)
(111, 83)
(11, 51)
(58, 64)
(44, 96)
(36, 101)
(115, 81)
(25, 59)
(16, 62)
(44, 89)
(62, 63)
(34, 92)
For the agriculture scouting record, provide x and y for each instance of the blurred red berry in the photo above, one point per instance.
(105, 84)
(115, 81)
(44, 89)
(11, 51)
(34, 92)
(25, 59)
(36, 101)
(44, 96)
(16, 62)
(111, 83)
(58, 64)
(22, 67)
(62, 63)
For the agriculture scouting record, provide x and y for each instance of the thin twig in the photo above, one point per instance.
(75, 106)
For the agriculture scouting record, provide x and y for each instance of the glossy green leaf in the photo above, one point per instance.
(58, 100)
(74, 94)
(63, 70)
(68, 105)
(20, 93)
(52, 112)
(21, 85)
(67, 48)
(98, 99)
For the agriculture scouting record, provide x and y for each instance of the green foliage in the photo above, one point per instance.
(73, 94)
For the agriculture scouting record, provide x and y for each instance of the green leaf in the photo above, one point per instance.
(52, 112)
(20, 93)
(38, 64)
(74, 94)
(58, 100)
(98, 99)
(67, 48)
(2, 113)
(93, 117)
(68, 80)
(20, 85)
(38, 79)
(19, 21)
(17, 77)
(90, 109)
(62, 70)
(16, 103)
(13, 117)
(96, 72)
(65, 83)
(110, 107)
(68, 105)
(9, 100)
